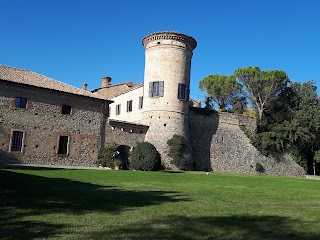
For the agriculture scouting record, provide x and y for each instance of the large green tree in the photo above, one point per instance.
(263, 86)
(304, 128)
(292, 124)
(223, 90)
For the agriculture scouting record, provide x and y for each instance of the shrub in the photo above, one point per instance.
(259, 167)
(179, 152)
(250, 113)
(145, 156)
(108, 155)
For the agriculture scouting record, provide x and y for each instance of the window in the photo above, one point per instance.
(66, 109)
(129, 106)
(140, 102)
(21, 102)
(63, 145)
(182, 92)
(118, 109)
(17, 141)
(156, 89)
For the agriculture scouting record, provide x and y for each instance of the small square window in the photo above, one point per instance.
(66, 109)
(21, 102)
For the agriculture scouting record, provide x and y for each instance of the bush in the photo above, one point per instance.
(179, 152)
(145, 156)
(108, 155)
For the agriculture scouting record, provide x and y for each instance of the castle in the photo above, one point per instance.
(43, 121)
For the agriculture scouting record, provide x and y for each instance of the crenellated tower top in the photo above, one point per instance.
(190, 42)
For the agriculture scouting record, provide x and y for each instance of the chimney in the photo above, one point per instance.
(199, 103)
(106, 82)
(84, 86)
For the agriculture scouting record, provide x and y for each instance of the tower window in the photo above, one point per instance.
(156, 89)
(183, 92)
(63, 145)
(21, 102)
(140, 102)
(129, 106)
(17, 141)
(66, 109)
(118, 108)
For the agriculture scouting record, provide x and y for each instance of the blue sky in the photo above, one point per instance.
(76, 41)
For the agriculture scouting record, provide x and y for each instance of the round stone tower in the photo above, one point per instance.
(166, 88)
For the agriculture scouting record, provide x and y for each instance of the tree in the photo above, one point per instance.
(179, 152)
(223, 90)
(263, 86)
(292, 124)
(304, 128)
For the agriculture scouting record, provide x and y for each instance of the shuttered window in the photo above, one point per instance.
(118, 108)
(156, 89)
(183, 92)
(129, 106)
(140, 102)
(21, 102)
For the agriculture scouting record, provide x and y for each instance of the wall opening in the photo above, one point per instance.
(63, 145)
(123, 155)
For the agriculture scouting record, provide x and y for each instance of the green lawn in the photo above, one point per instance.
(39, 203)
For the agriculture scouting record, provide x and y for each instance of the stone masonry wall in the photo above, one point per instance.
(43, 123)
(229, 149)
(162, 127)
(124, 133)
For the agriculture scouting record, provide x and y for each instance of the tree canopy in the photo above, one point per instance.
(263, 86)
(223, 90)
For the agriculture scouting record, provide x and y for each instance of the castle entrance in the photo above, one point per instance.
(123, 155)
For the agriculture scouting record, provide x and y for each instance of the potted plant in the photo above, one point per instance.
(117, 163)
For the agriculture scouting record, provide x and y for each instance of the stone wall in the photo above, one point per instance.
(219, 144)
(124, 133)
(43, 123)
(162, 126)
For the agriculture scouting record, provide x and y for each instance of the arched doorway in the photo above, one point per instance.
(123, 155)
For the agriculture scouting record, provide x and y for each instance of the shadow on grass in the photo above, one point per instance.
(24, 195)
(192, 228)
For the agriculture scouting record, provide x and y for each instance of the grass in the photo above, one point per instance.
(39, 203)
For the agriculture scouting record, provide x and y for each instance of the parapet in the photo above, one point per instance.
(168, 35)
